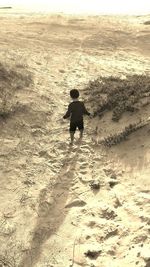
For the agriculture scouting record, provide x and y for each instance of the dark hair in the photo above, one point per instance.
(74, 93)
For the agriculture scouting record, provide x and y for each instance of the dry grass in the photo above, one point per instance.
(12, 79)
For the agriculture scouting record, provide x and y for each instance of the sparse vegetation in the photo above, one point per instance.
(121, 136)
(12, 78)
(6, 7)
(116, 94)
(147, 22)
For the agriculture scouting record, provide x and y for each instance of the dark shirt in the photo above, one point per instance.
(76, 110)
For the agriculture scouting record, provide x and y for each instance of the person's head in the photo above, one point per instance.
(74, 93)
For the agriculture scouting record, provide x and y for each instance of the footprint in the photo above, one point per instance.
(83, 165)
(76, 203)
(83, 172)
(112, 233)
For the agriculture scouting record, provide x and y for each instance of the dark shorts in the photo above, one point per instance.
(75, 125)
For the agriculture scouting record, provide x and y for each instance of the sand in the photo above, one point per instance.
(50, 215)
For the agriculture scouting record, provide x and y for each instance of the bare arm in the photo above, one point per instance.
(68, 113)
(85, 110)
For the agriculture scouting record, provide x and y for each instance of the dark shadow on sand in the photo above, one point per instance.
(51, 213)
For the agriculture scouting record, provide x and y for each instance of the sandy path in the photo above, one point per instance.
(69, 161)
(48, 210)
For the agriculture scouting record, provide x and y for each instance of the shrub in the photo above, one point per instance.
(11, 79)
(121, 95)
(147, 22)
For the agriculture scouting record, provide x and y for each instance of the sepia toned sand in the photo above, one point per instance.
(50, 216)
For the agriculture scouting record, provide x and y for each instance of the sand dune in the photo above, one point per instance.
(86, 205)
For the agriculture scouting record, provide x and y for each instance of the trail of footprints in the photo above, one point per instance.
(100, 212)
(103, 229)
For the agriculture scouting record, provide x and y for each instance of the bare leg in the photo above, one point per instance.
(72, 137)
(81, 134)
